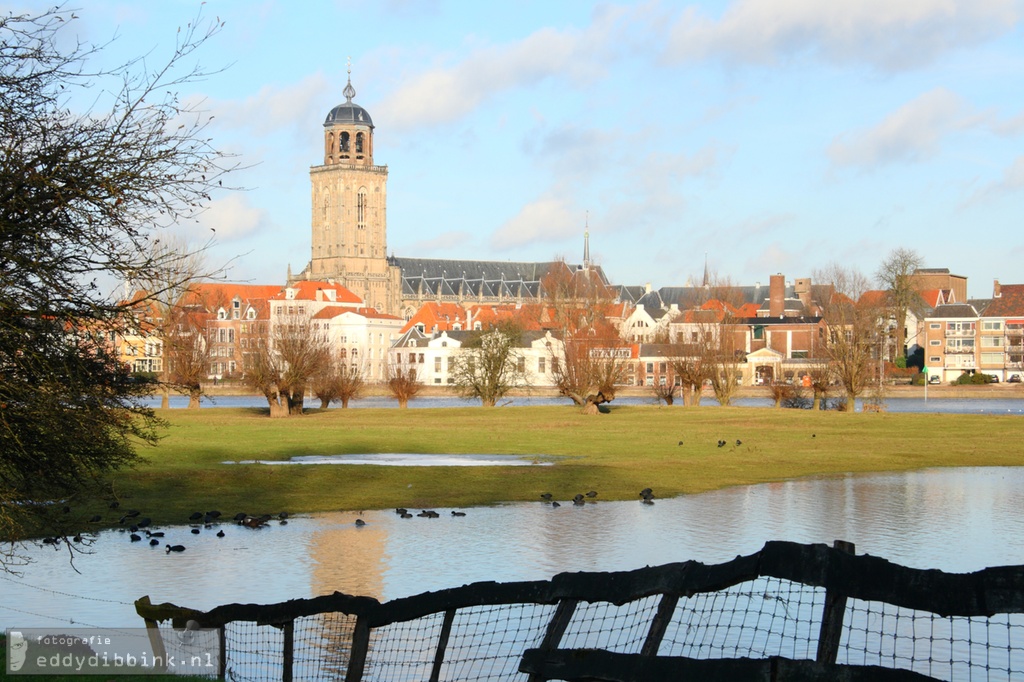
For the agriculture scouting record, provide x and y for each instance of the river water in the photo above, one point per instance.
(941, 405)
(957, 520)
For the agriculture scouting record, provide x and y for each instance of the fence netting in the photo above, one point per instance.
(457, 637)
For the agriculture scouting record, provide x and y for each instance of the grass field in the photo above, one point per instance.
(672, 450)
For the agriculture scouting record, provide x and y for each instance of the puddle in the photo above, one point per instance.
(408, 460)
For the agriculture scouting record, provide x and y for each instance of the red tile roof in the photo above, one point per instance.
(307, 291)
(1009, 303)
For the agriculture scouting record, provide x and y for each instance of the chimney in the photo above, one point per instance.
(647, 287)
(777, 295)
(996, 290)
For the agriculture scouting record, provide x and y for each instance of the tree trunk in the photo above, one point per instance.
(195, 393)
(668, 398)
(324, 403)
(403, 402)
(344, 402)
(165, 397)
(488, 402)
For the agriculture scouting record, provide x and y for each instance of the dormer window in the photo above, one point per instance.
(222, 314)
(250, 314)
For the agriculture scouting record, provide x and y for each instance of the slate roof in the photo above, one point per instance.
(1010, 302)
(475, 279)
(954, 310)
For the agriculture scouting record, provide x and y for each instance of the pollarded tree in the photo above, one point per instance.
(403, 382)
(490, 365)
(81, 196)
(337, 382)
(286, 363)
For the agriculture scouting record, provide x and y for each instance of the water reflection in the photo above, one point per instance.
(957, 520)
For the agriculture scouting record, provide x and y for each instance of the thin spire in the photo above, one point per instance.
(349, 91)
(586, 243)
(707, 279)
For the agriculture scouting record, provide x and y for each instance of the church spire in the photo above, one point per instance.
(349, 91)
(707, 279)
(586, 243)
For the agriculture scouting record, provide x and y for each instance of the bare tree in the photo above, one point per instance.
(285, 364)
(820, 377)
(186, 352)
(81, 196)
(896, 276)
(576, 304)
(723, 353)
(337, 382)
(490, 365)
(402, 382)
(781, 392)
(853, 328)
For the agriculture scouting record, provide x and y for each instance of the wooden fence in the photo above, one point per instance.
(787, 612)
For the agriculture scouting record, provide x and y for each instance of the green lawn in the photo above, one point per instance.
(617, 454)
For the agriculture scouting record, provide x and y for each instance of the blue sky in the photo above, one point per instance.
(773, 135)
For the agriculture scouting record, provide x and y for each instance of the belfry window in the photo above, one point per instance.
(343, 143)
(359, 143)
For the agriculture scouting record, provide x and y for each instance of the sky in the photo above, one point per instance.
(769, 136)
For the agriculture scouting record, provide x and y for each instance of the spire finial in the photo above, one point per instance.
(349, 91)
(586, 242)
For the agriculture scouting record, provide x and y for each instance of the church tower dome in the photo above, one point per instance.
(348, 132)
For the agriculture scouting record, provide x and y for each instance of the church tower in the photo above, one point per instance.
(349, 202)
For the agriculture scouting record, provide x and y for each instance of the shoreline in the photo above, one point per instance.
(1001, 391)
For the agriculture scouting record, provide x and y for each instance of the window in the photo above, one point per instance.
(662, 368)
(935, 325)
(540, 365)
(521, 364)
(935, 342)
(421, 358)
(758, 331)
(343, 354)
(437, 365)
(650, 367)
(554, 364)
(934, 359)
(991, 342)
(231, 335)
(991, 326)
(992, 359)
(355, 353)
(222, 314)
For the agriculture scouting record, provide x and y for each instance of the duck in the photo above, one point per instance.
(195, 531)
(134, 537)
(546, 497)
(175, 548)
(458, 513)
(195, 516)
(240, 516)
(360, 523)
(220, 533)
(154, 542)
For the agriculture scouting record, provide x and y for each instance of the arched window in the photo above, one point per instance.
(359, 143)
(343, 140)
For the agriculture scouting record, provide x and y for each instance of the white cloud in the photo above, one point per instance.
(450, 92)
(888, 34)
(272, 109)
(444, 242)
(230, 219)
(547, 219)
(1012, 181)
(911, 133)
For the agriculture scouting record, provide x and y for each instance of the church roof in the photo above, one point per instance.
(348, 113)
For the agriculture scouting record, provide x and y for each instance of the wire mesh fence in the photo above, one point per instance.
(790, 611)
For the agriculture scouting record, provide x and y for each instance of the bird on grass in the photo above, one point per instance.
(591, 493)
(546, 497)
(578, 500)
(738, 442)
(195, 516)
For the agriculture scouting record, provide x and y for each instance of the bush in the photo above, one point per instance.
(919, 379)
(976, 379)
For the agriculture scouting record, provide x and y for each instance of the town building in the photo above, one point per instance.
(349, 235)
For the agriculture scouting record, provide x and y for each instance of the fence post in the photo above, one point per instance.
(287, 654)
(832, 616)
(442, 644)
(556, 628)
(666, 609)
(360, 647)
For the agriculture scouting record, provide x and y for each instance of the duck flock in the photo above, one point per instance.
(140, 528)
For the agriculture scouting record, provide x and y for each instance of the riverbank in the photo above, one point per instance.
(934, 392)
(672, 450)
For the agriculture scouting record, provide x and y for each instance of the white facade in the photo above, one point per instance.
(359, 338)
